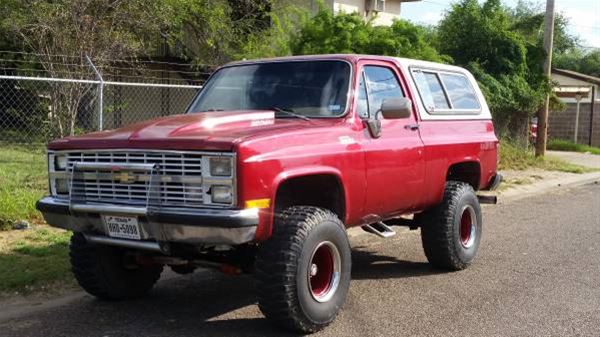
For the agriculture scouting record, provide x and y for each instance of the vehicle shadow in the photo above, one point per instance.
(368, 265)
(201, 304)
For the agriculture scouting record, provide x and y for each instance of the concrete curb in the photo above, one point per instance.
(541, 187)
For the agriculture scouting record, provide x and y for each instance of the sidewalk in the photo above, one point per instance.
(583, 159)
(536, 182)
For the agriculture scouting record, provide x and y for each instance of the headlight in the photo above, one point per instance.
(60, 162)
(221, 194)
(220, 166)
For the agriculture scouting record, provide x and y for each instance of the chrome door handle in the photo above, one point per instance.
(412, 127)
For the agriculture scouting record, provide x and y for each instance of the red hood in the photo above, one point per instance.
(207, 131)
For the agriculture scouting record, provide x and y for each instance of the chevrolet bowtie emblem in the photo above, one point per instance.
(124, 177)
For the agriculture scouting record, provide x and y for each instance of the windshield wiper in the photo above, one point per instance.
(289, 112)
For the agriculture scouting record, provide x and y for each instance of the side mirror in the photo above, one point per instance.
(396, 108)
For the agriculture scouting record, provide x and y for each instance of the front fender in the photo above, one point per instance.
(265, 227)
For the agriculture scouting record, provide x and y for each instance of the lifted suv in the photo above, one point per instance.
(274, 160)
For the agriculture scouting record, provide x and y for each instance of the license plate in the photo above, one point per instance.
(123, 227)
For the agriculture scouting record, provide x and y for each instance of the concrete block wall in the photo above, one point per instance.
(561, 124)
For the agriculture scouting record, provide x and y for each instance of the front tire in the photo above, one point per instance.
(451, 231)
(303, 270)
(104, 272)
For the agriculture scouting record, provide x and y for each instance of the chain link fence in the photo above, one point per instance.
(127, 103)
(44, 97)
(34, 110)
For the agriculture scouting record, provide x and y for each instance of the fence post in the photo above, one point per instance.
(592, 115)
(100, 94)
(575, 135)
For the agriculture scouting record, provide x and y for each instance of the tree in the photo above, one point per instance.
(329, 33)
(218, 31)
(62, 33)
(481, 33)
(528, 19)
(581, 61)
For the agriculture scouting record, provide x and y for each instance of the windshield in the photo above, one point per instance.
(307, 88)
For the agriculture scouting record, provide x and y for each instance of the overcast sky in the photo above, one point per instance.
(584, 15)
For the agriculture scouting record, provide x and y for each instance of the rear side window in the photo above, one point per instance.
(460, 92)
(431, 91)
(446, 93)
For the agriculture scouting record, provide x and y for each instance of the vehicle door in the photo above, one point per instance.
(394, 160)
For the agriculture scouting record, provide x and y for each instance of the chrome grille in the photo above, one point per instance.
(179, 176)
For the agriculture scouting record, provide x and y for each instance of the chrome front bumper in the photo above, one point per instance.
(160, 225)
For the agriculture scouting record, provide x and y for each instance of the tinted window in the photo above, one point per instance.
(431, 90)
(460, 92)
(312, 88)
(382, 83)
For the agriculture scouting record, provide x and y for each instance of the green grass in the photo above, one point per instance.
(34, 259)
(23, 180)
(566, 145)
(515, 158)
(37, 258)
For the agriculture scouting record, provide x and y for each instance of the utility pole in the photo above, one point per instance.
(540, 146)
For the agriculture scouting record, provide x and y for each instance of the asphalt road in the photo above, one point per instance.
(537, 274)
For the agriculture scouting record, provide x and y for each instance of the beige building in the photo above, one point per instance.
(569, 84)
(383, 12)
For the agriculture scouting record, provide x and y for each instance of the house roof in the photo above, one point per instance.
(578, 76)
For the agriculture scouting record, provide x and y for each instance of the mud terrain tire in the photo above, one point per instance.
(303, 270)
(103, 272)
(451, 231)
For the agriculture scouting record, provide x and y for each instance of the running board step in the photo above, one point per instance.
(380, 229)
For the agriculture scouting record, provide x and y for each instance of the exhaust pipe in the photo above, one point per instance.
(487, 199)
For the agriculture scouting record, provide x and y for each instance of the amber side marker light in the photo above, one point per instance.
(258, 203)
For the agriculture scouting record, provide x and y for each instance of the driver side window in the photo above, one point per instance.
(376, 84)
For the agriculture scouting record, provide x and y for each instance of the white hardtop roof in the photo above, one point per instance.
(426, 64)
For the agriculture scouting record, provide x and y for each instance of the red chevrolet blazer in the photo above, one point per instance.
(272, 162)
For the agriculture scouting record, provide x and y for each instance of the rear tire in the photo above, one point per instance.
(451, 231)
(303, 270)
(102, 271)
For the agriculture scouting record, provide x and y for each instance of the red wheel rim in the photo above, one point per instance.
(324, 271)
(468, 227)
